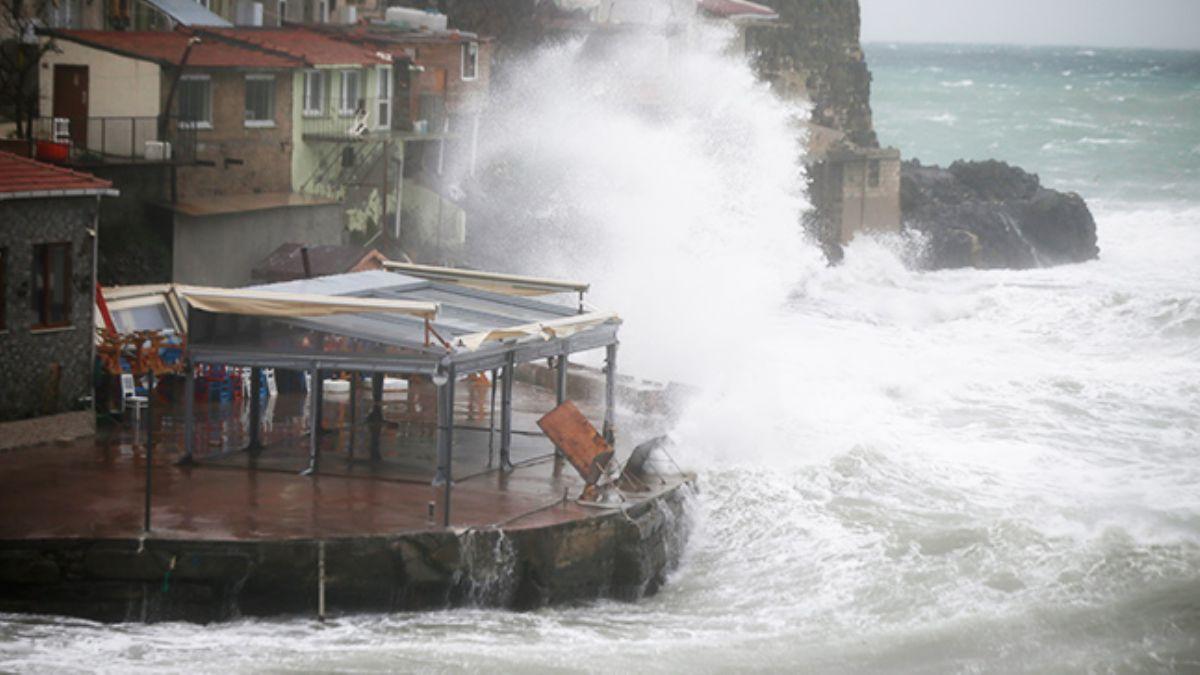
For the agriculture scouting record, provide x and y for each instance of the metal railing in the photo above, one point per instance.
(129, 139)
(375, 116)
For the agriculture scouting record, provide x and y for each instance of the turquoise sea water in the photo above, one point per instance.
(1110, 124)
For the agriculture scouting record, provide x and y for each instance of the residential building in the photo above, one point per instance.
(49, 224)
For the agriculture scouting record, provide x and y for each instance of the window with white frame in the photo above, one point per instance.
(314, 93)
(351, 92)
(260, 100)
(470, 60)
(195, 101)
(383, 88)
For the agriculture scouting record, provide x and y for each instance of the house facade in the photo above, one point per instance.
(49, 222)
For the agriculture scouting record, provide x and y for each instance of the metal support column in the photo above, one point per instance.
(445, 442)
(375, 418)
(255, 411)
(353, 411)
(506, 401)
(492, 420)
(149, 448)
(317, 391)
(560, 391)
(314, 432)
(189, 413)
(610, 392)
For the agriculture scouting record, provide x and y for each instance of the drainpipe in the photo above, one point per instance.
(164, 116)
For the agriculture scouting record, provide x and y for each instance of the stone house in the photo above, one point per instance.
(49, 223)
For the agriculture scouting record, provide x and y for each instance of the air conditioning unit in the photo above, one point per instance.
(249, 13)
(158, 151)
(61, 131)
(348, 14)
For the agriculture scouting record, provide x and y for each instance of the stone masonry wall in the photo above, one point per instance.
(45, 371)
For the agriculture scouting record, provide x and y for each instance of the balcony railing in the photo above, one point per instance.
(114, 139)
(374, 118)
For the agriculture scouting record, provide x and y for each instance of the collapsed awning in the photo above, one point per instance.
(509, 284)
(280, 304)
(545, 330)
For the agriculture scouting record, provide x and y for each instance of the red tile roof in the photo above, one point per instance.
(304, 44)
(729, 9)
(167, 47)
(27, 178)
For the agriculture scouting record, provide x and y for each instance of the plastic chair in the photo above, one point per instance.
(131, 399)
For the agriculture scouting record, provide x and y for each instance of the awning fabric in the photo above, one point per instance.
(278, 304)
(545, 330)
(509, 284)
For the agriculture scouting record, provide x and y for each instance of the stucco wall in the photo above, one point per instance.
(117, 86)
(221, 250)
(45, 371)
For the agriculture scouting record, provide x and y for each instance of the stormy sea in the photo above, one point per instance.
(899, 470)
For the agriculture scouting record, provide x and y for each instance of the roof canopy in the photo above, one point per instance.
(471, 330)
(23, 178)
(189, 12)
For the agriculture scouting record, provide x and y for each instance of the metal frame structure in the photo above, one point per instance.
(382, 343)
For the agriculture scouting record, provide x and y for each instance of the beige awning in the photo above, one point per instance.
(510, 284)
(545, 330)
(271, 303)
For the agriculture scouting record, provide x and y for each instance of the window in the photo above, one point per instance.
(383, 115)
(350, 92)
(470, 60)
(65, 14)
(52, 284)
(314, 93)
(873, 173)
(260, 100)
(195, 101)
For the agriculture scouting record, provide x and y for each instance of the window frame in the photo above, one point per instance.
(41, 265)
(342, 110)
(383, 81)
(197, 124)
(471, 47)
(260, 77)
(320, 77)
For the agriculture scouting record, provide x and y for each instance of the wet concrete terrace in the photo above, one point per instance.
(94, 488)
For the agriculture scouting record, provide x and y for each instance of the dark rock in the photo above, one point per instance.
(993, 215)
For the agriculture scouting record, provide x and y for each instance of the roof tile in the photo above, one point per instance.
(18, 174)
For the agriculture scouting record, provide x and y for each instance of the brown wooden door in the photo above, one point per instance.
(71, 99)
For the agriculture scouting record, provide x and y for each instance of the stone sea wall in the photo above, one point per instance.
(613, 554)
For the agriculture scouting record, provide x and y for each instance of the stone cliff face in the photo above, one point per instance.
(989, 214)
(816, 48)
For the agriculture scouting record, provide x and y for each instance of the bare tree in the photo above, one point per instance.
(21, 51)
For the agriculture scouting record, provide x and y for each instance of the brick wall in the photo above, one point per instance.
(50, 371)
(240, 159)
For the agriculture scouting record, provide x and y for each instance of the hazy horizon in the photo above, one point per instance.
(1156, 24)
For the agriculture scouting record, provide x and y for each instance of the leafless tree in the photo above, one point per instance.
(21, 51)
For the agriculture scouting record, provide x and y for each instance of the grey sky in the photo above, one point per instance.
(1173, 24)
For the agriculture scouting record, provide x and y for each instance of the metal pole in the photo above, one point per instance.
(314, 431)
(353, 410)
(445, 442)
(376, 416)
(317, 390)
(149, 448)
(492, 420)
(189, 413)
(560, 391)
(610, 392)
(320, 581)
(255, 411)
(506, 399)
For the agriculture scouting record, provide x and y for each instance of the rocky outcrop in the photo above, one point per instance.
(991, 215)
(814, 52)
